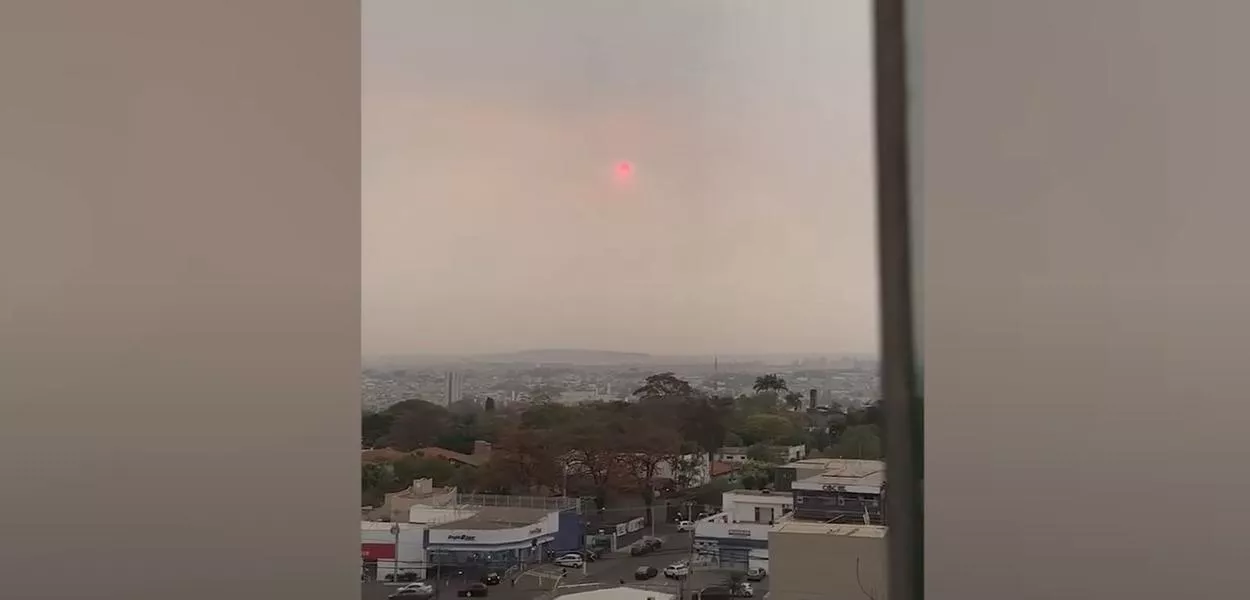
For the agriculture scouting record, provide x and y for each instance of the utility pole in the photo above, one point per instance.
(395, 556)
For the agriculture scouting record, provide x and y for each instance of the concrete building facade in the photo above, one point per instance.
(819, 561)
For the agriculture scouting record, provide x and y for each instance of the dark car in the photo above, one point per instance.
(474, 590)
(715, 592)
(492, 579)
(640, 549)
(646, 573)
(653, 542)
(756, 574)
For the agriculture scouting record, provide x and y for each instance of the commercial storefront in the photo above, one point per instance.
(611, 537)
(731, 546)
(481, 544)
(389, 549)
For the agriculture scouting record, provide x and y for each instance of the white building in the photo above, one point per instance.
(455, 387)
(386, 546)
(737, 537)
(618, 593)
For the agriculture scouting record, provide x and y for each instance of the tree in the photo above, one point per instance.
(374, 426)
(794, 401)
(489, 405)
(412, 468)
(858, 442)
(765, 428)
(647, 448)
(732, 440)
(417, 425)
(523, 459)
(664, 386)
(761, 453)
(770, 383)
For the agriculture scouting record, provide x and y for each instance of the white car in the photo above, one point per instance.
(744, 590)
(676, 570)
(685, 526)
(419, 587)
(572, 560)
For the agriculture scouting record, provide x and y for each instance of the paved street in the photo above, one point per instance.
(605, 572)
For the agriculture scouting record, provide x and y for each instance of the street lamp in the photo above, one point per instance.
(395, 555)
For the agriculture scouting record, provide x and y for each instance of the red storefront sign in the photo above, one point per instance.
(373, 551)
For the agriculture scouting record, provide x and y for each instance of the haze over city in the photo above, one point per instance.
(495, 217)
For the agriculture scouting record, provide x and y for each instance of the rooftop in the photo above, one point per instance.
(766, 494)
(496, 517)
(618, 593)
(847, 466)
(814, 528)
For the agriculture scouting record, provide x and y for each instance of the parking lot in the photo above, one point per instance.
(608, 571)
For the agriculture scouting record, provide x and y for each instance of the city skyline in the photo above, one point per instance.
(495, 219)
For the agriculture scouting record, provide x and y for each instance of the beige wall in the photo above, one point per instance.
(814, 566)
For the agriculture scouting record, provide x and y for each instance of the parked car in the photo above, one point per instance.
(685, 526)
(474, 590)
(756, 574)
(645, 573)
(492, 578)
(743, 590)
(572, 560)
(677, 570)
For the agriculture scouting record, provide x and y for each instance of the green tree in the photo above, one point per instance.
(411, 468)
(770, 383)
(664, 386)
(374, 426)
(762, 453)
(733, 440)
(858, 442)
(794, 401)
(765, 428)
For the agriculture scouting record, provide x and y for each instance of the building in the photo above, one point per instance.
(785, 475)
(819, 561)
(737, 537)
(850, 492)
(618, 593)
(782, 454)
(454, 390)
(397, 506)
(387, 549)
(472, 533)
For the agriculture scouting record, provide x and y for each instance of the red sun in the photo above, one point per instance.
(624, 171)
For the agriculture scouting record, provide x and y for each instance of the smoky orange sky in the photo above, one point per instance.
(493, 217)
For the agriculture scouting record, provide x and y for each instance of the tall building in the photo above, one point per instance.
(817, 561)
(455, 388)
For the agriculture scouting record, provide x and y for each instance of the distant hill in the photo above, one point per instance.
(566, 357)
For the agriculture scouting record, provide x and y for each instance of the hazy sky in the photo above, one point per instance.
(492, 219)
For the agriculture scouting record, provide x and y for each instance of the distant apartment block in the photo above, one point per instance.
(455, 387)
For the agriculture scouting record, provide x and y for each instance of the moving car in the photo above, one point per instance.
(572, 559)
(685, 526)
(756, 574)
(654, 543)
(639, 549)
(474, 590)
(491, 579)
(413, 591)
(714, 592)
(677, 570)
(645, 573)
(743, 590)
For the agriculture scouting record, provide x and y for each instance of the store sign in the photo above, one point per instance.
(374, 551)
(621, 529)
(739, 533)
(634, 525)
(488, 537)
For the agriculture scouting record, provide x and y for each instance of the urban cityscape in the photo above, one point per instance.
(650, 477)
